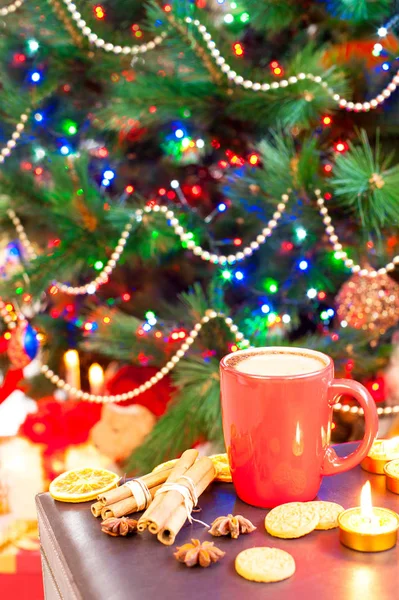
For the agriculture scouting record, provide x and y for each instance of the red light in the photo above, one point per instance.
(129, 189)
(140, 332)
(103, 153)
(274, 64)
(237, 160)
(253, 159)
(322, 295)
(171, 195)
(107, 206)
(327, 168)
(88, 326)
(335, 337)
(182, 335)
(370, 245)
(19, 58)
(158, 334)
(327, 196)
(53, 290)
(162, 191)
(54, 243)
(99, 12)
(223, 164)
(66, 88)
(327, 120)
(237, 242)
(69, 308)
(278, 71)
(375, 387)
(126, 297)
(38, 171)
(333, 425)
(135, 27)
(287, 246)
(54, 313)
(175, 336)
(340, 147)
(151, 203)
(238, 49)
(167, 8)
(152, 109)
(106, 320)
(26, 166)
(215, 144)
(196, 190)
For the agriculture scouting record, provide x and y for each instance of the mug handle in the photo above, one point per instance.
(332, 463)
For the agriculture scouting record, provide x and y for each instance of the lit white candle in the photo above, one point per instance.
(72, 368)
(96, 379)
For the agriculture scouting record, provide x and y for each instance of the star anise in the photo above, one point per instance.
(123, 526)
(198, 554)
(231, 525)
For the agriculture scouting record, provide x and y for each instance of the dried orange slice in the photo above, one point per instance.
(221, 463)
(82, 485)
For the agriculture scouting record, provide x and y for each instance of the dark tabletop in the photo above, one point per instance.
(141, 568)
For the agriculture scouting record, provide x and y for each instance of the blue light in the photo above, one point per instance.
(179, 133)
(64, 150)
(38, 117)
(35, 77)
(239, 275)
(220, 1)
(105, 182)
(385, 66)
(108, 174)
(330, 312)
(222, 207)
(303, 265)
(265, 308)
(146, 327)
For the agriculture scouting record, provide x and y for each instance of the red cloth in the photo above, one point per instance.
(10, 383)
(129, 377)
(26, 582)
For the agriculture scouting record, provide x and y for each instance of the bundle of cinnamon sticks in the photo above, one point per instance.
(120, 501)
(167, 513)
(171, 503)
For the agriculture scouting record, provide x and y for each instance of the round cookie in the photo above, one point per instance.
(292, 520)
(264, 564)
(328, 514)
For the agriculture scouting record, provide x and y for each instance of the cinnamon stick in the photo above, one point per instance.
(123, 491)
(154, 513)
(96, 508)
(124, 507)
(202, 473)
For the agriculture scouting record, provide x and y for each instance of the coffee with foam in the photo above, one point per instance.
(277, 363)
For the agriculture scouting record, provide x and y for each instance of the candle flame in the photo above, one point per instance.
(71, 358)
(366, 505)
(96, 373)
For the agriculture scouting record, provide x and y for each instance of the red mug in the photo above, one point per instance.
(277, 426)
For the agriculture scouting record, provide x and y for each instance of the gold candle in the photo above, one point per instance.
(72, 368)
(391, 471)
(96, 378)
(367, 528)
(381, 452)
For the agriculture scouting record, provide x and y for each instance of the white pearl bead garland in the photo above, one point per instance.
(103, 276)
(330, 231)
(108, 46)
(12, 142)
(265, 87)
(170, 365)
(5, 10)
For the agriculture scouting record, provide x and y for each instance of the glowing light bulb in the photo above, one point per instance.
(311, 293)
(33, 45)
(286, 318)
(64, 150)
(200, 143)
(174, 184)
(228, 18)
(300, 233)
(385, 66)
(382, 31)
(239, 275)
(222, 207)
(109, 174)
(179, 133)
(303, 265)
(226, 275)
(265, 308)
(35, 77)
(38, 117)
(330, 312)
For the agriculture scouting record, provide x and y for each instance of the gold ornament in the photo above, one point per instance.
(369, 303)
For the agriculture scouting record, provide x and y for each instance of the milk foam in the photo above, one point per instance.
(278, 364)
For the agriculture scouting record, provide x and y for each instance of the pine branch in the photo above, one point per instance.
(193, 415)
(366, 183)
(271, 16)
(361, 10)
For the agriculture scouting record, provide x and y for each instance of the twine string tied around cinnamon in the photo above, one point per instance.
(140, 493)
(189, 495)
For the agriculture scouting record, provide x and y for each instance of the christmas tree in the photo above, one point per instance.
(180, 180)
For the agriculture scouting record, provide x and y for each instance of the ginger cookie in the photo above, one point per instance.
(292, 520)
(264, 564)
(328, 514)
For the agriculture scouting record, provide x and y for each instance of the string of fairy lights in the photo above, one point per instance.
(186, 238)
